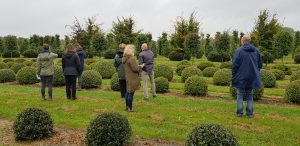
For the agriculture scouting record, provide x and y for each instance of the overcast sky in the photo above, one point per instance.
(49, 17)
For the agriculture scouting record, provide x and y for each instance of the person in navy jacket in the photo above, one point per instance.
(246, 65)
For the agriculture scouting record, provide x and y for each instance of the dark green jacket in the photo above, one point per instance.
(119, 65)
(45, 63)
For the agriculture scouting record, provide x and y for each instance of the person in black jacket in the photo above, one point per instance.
(71, 68)
(120, 69)
(81, 55)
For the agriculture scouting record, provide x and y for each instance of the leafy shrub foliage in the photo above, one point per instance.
(3, 65)
(297, 58)
(226, 65)
(257, 93)
(87, 67)
(105, 68)
(215, 56)
(184, 62)
(58, 77)
(190, 71)
(279, 74)
(30, 53)
(196, 86)
(165, 71)
(209, 71)
(28, 62)
(11, 54)
(34, 65)
(222, 77)
(20, 60)
(109, 54)
(295, 76)
(287, 70)
(292, 93)
(180, 68)
(205, 64)
(7, 75)
(267, 57)
(33, 123)
(10, 63)
(176, 56)
(91, 79)
(211, 135)
(17, 66)
(109, 129)
(161, 85)
(27, 75)
(268, 78)
(8, 60)
(114, 82)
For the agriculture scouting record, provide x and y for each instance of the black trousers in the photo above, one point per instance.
(71, 86)
(122, 88)
(46, 81)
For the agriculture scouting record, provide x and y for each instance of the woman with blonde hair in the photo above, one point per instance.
(71, 68)
(132, 70)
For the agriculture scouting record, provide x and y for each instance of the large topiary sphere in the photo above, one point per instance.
(109, 54)
(195, 86)
(30, 53)
(10, 64)
(161, 85)
(184, 62)
(203, 65)
(297, 58)
(3, 65)
(222, 77)
(105, 68)
(292, 93)
(165, 71)
(91, 79)
(176, 56)
(257, 93)
(28, 62)
(295, 76)
(226, 65)
(190, 71)
(33, 123)
(268, 78)
(17, 66)
(58, 77)
(7, 75)
(180, 68)
(114, 82)
(211, 135)
(210, 71)
(279, 74)
(34, 65)
(20, 60)
(8, 60)
(87, 67)
(27, 75)
(286, 69)
(108, 129)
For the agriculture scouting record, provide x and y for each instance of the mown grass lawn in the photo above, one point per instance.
(166, 117)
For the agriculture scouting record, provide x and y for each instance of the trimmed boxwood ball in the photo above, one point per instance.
(295, 76)
(7, 75)
(34, 65)
(180, 68)
(190, 71)
(33, 123)
(257, 93)
(161, 85)
(30, 53)
(27, 75)
(87, 67)
(184, 62)
(10, 63)
(108, 129)
(8, 60)
(297, 59)
(211, 135)
(279, 74)
(114, 82)
(286, 69)
(268, 78)
(165, 71)
(203, 65)
(17, 66)
(28, 62)
(11, 54)
(110, 54)
(195, 86)
(292, 93)
(226, 65)
(105, 68)
(3, 65)
(222, 77)
(20, 60)
(209, 71)
(58, 77)
(91, 79)
(176, 56)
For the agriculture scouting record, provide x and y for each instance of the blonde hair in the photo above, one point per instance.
(122, 46)
(71, 48)
(246, 39)
(129, 50)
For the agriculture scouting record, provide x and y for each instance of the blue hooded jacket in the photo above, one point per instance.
(246, 65)
(81, 55)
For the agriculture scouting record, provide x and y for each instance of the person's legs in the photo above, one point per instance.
(122, 84)
(126, 100)
(79, 80)
(49, 82)
(73, 86)
(130, 100)
(145, 84)
(239, 101)
(151, 76)
(249, 108)
(68, 86)
(43, 80)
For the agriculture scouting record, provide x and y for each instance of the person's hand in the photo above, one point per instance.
(142, 65)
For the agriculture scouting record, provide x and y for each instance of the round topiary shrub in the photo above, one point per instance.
(209, 71)
(267, 57)
(295, 76)
(87, 67)
(268, 78)
(278, 74)
(17, 66)
(203, 65)
(91, 79)
(10, 64)
(165, 71)
(114, 82)
(34, 65)
(184, 62)
(287, 70)
(222, 77)
(89, 61)
(297, 58)
(161, 85)
(195, 86)
(105, 68)
(109, 54)
(58, 77)
(8, 60)
(7, 75)
(11, 54)
(3, 65)
(28, 62)
(20, 60)
(33, 123)
(30, 53)
(292, 93)
(226, 65)
(27, 75)
(176, 56)
(108, 129)
(190, 71)
(216, 56)
(180, 68)
(211, 135)
(257, 93)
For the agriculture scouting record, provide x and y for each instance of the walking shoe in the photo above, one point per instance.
(43, 98)
(145, 99)
(50, 97)
(250, 116)
(239, 115)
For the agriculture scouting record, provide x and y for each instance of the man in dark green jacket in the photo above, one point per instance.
(120, 69)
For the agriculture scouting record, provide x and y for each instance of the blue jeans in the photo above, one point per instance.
(46, 81)
(241, 93)
(129, 99)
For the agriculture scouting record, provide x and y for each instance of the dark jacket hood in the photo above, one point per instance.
(80, 52)
(248, 48)
(69, 55)
(120, 52)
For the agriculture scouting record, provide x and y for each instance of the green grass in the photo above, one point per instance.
(166, 117)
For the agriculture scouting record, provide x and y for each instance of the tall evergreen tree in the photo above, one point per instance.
(124, 31)
(283, 43)
(163, 45)
(296, 48)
